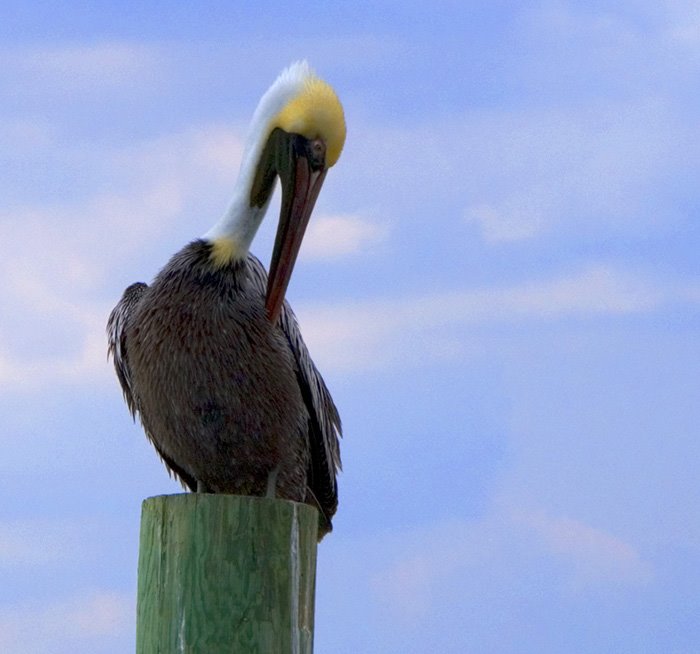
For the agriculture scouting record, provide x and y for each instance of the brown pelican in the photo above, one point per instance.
(210, 355)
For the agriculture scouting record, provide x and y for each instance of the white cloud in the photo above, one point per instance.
(354, 336)
(86, 366)
(84, 67)
(423, 561)
(529, 172)
(593, 168)
(21, 135)
(506, 223)
(594, 556)
(587, 169)
(138, 191)
(24, 543)
(78, 623)
(422, 567)
(56, 259)
(53, 331)
(333, 237)
(364, 335)
(190, 157)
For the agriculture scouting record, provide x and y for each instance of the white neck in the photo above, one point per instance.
(240, 223)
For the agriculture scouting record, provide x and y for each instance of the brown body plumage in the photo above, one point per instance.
(231, 402)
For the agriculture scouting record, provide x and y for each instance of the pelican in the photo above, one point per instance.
(210, 355)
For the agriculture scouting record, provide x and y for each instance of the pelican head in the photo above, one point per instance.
(297, 134)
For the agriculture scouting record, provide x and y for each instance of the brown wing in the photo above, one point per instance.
(325, 428)
(118, 348)
(116, 339)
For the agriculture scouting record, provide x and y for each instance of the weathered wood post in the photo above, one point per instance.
(224, 573)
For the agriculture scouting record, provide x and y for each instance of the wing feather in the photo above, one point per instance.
(116, 338)
(325, 428)
(118, 349)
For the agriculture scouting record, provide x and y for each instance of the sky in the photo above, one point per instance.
(500, 284)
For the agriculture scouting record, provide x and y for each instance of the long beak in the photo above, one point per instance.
(299, 193)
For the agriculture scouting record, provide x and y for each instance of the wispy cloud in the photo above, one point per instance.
(21, 135)
(191, 157)
(563, 163)
(571, 171)
(78, 623)
(423, 567)
(24, 543)
(56, 259)
(506, 222)
(595, 556)
(333, 237)
(424, 561)
(364, 335)
(354, 336)
(83, 67)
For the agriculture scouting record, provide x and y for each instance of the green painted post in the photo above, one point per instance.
(226, 574)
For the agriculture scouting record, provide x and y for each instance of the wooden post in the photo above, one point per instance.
(224, 573)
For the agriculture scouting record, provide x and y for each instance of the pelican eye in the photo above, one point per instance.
(316, 153)
(313, 150)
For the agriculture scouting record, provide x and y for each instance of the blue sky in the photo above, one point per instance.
(500, 284)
